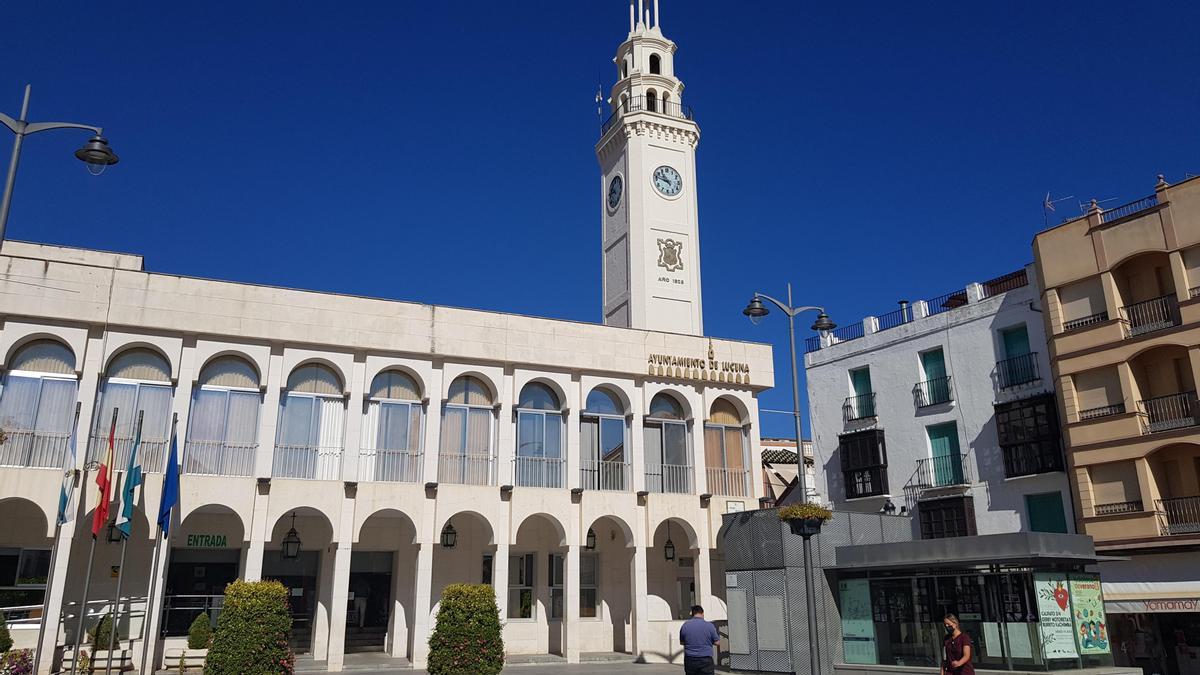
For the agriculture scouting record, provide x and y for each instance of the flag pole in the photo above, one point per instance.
(158, 540)
(116, 623)
(87, 579)
(58, 523)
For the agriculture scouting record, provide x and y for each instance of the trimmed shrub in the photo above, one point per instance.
(467, 636)
(19, 662)
(5, 638)
(200, 632)
(101, 632)
(252, 632)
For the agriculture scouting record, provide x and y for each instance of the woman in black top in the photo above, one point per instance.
(957, 649)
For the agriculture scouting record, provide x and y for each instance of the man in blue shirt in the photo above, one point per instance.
(698, 638)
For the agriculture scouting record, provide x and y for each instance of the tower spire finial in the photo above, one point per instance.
(632, 21)
(657, 15)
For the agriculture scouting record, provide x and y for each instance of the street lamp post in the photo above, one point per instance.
(96, 154)
(756, 310)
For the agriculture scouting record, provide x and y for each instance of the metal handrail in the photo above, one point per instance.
(1150, 315)
(812, 344)
(1164, 413)
(469, 469)
(640, 104)
(314, 462)
(1133, 506)
(1179, 515)
(895, 318)
(933, 392)
(219, 458)
(946, 302)
(605, 475)
(542, 472)
(179, 611)
(1084, 322)
(1005, 283)
(1018, 370)
(1102, 411)
(35, 449)
(1129, 209)
(669, 478)
(727, 482)
(859, 407)
(150, 451)
(848, 333)
(383, 465)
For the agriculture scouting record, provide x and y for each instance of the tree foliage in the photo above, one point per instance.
(252, 632)
(200, 632)
(467, 636)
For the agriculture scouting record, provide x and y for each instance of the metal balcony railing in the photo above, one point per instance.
(1084, 322)
(937, 472)
(1151, 315)
(933, 392)
(601, 475)
(1129, 209)
(1118, 507)
(466, 469)
(1018, 370)
(669, 478)
(728, 482)
(1029, 459)
(219, 458)
(1179, 515)
(859, 407)
(1006, 283)
(644, 104)
(1102, 411)
(542, 472)
(150, 453)
(1165, 413)
(390, 466)
(895, 318)
(812, 344)
(179, 611)
(37, 449)
(847, 333)
(313, 462)
(946, 302)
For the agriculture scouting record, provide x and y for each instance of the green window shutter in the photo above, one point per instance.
(934, 364)
(860, 380)
(947, 459)
(1016, 341)
(1046, 512)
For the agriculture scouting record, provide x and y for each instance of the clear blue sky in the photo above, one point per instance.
(866, 152)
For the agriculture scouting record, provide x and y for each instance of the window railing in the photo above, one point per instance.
(1129, 209)
(179, 611)
(150, 453)
(601, 475)
(466, 469)
(933, 392)
(1179, 515)
(644, 104)
(1165, 413)
(1115, 508)
(869, 482)
(1028, 459)
(943, 471)
(390, 466)
(313, 462)
(36, 449)
(1146, 317)
(1102, 411)
(542, 472)
(669, 478)
(1018, 370)
(218, 458)
(859, 407)
(727, 482)
(1084, 322)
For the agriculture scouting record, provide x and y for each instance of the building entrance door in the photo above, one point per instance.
(369, 603)
(300, 578)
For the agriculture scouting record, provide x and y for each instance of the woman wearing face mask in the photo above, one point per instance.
(957, 649)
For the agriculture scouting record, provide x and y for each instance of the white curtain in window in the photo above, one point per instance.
(140, 364)
(589, 439)
(329, 438)
(45, 356)
(479, 433)
(19, 402)
(129, 399)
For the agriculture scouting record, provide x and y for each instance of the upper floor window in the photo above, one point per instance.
(651, 101)
(725, 451)
(466, 441)
(655, 64)
(222, 430)
(861, 402)
(391, 434)
(1029, 437)
(935, 386)
(602, 442)
(311, 425)
(668, 466)
(37, 405)
(863, 458)
(539, 460)
(138, 381)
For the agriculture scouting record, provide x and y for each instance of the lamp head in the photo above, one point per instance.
(756, 310)
(823, 323)
(97, 155)
(290, 545)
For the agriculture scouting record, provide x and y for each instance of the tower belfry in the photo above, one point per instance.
(647, 155)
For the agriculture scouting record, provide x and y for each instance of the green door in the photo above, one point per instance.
(1046, 512)
(947, 461)
(936, 387)
(1016, 341)
(863, 404)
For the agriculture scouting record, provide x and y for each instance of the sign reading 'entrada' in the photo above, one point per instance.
(207, 541)
(699, 368)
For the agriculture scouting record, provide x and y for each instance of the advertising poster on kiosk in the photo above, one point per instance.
(1054, 615)
(858, 627)
(1087, 603)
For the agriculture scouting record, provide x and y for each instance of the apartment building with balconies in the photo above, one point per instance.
(1121, 292)
(943, 410)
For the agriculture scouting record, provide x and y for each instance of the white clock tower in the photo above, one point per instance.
(647, 154)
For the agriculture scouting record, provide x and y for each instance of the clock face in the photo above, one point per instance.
(668, 181)
(615, 189)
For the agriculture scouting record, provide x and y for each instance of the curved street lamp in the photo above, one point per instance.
(756, 310)
(96, 153)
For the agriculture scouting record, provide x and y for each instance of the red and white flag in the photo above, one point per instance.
(104, 482)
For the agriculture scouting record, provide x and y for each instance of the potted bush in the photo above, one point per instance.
(252, 631)
(805, 519)
(100, 638)
(6, 642)
(198, 639)
(466, 639)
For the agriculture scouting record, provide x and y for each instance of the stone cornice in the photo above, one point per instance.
(649, 125)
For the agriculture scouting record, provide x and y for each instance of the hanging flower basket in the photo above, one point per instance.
(805, 519)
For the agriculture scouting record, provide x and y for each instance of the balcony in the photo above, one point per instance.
(949, 471)
(1117, 508)
(1151, 315)
(1143, 204)
(1084, 322)
(1180, 515)
(859, 407)
(728, 482)
(642, 104)
(1030, 459)
(219, 458)
(37, 449)
(312, 462)
(150, 452)
(1102, 411)
(540, 472)
(1018, 370)
(1165, 413)
(669, 478)
(932, 392)
(466, 469)
(390, 466)
(608, 476)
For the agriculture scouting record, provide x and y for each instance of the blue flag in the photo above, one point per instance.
(170, 491)
(131, 488)
(66, 495)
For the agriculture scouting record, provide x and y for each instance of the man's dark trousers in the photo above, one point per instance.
(698, 665)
